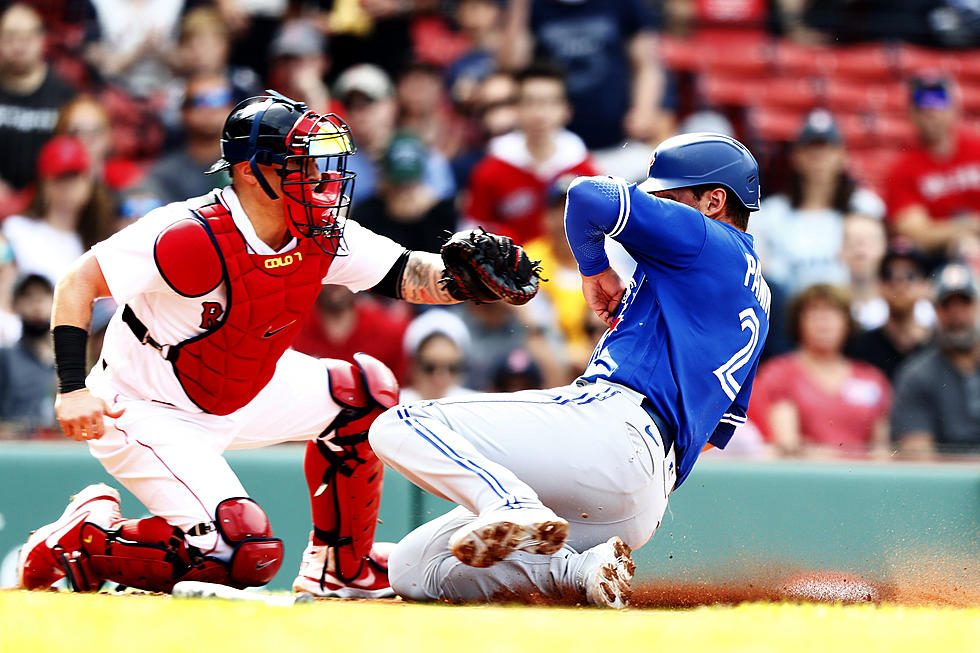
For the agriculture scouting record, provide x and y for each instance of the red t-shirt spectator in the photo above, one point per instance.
(377, 331)
(944, 187)
(508, 189)
(843, 419)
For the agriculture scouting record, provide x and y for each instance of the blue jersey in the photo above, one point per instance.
(695, 315)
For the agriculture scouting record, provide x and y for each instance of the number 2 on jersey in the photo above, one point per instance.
(726, 373)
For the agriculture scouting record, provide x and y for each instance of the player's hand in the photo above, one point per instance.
(80, 414)
(603, 292)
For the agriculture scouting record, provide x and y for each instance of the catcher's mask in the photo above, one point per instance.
(309, 152)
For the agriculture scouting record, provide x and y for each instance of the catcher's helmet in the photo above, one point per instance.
(276, 131)
(705, 158)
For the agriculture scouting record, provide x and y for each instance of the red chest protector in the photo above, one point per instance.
(268, 297)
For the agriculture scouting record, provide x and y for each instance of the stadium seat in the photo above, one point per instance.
(870, 166)
(873, 61)
(775, 124)
(850, 96)
(793, 60)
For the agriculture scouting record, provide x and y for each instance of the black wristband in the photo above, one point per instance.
(69, 357)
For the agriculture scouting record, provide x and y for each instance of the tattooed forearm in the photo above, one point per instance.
(420, 280)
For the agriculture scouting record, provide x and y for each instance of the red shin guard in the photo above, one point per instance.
(343, 473)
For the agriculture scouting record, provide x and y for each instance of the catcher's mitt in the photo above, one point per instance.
(483, 268)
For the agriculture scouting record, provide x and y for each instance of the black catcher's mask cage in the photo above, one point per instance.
(310, 152)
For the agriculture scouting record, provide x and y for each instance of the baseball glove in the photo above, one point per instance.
(483, 268)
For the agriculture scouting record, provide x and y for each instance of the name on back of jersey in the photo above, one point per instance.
(756, 284)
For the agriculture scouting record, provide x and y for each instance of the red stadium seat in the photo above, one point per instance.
(912, 59)
(865, 62)
(793, 60)
(730, 52)
(970, 99)
(724, 90)
(849, 96)
(775, 124)
(800, 94)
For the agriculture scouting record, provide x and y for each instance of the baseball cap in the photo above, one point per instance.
(955, 279)
(433, 321)
(404, 160)
(930, 91)
(62, 155)
(297, 38)
(366, 79)
(818, 127)
(558, 190)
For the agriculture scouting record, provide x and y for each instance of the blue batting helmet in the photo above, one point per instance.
(705, 158)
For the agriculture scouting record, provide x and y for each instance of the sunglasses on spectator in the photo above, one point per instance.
(497, 104)
(431, 367)
(218, 97)
(907, 276)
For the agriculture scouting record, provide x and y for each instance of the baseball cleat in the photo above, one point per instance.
(316, 574)
(606, 572)
(495, 535)
(50, 549)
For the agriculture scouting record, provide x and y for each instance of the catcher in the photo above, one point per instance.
(211, 292)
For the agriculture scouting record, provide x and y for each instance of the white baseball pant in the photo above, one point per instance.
(171, 460)
(591, 453)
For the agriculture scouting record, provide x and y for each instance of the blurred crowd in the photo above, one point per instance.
(481, 112)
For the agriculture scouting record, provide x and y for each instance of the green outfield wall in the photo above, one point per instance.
(731, 520)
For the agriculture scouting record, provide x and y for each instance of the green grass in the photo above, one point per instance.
(47, 621)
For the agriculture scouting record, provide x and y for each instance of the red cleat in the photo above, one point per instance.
(54, 550)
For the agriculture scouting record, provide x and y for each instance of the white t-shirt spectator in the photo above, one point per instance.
(40, 248)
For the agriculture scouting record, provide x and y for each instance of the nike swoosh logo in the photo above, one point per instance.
(263, 565)
(269, 333)
(88, 539)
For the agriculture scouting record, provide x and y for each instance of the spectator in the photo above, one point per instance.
(203, 46)
(10, 328)
(30, 96)
(517, 372)
(934, 188)
(298, 64)
(863, 246)
(799, 234)
(27, 367)
(814, 401)
(69, 213)
(436, 343)
(902, 278)
(493, 112)
(87, 120)
(937, 391)
(137, 44)
(405, 209)
(180, 174)
(480, 21)
(372, 112)
(608, 49)
(500, 329)
(424, 109)
(509, 187)
(342, 324)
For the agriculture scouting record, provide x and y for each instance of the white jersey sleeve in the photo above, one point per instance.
(369, 258)
(126, 258)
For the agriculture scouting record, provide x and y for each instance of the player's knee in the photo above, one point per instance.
(386, 433)
(256, 555)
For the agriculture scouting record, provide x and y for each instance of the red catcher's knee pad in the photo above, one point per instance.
(257, 555)
(151, 554)
(343, 474)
